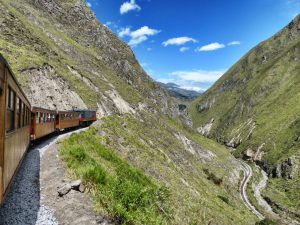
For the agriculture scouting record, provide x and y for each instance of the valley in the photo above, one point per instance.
(157, 154)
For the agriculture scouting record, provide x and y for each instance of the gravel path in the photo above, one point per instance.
(22, 203)
(257, 194)
(25, 198)
(247, 175)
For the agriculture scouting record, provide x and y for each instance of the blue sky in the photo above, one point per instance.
(193, 42)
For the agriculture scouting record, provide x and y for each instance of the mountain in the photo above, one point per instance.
(143, 165)
(180, 93)
(255, 108)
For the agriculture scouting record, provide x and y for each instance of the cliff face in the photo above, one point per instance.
(255, 107)
(63, 57)
(64, 46)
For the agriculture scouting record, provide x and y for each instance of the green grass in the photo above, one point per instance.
(122, 191)
(267, 94)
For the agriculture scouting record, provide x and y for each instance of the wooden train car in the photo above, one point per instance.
(43, 122)
(86, 117)
(14, 126)
(67, 119)
(19, 124)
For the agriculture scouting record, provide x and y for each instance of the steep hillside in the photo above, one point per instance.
(138, 160)
(255, 107)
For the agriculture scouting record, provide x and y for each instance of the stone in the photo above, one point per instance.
(76, 184)
(64, 190)
(81, 188)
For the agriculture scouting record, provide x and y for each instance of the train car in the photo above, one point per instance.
(43, 122)
(14, 126)
(66, 119)
(86, 117)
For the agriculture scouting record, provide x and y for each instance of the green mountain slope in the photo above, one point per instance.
(64, 58)
(255, 107)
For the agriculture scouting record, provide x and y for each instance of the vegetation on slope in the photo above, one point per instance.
(120, 190)
(154, 150)
(256, 107)
(200, 189)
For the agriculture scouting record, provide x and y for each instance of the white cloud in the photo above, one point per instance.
(149, 49)
(89, 4)
(138, 36)
(144, 31)
(210, 47)
(198, 89)
(129, 6)
(136, 41)
(184, 49)
(179, 41)
(201, 76)
(124, 32)
(234, 43)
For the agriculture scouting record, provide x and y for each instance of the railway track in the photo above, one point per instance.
(243, 187)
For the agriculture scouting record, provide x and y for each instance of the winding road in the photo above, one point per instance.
(247, 175)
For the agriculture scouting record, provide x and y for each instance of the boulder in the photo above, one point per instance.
(64, 190)
(76, 184)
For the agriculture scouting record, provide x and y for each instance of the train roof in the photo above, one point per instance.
(2, 59)
(84, 110)
(35, 108)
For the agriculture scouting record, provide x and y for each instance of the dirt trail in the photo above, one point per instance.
(257, 188)
(247, 175)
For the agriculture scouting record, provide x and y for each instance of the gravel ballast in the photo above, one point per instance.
(32, 198)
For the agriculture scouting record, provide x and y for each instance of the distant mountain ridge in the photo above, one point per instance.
(177, 92)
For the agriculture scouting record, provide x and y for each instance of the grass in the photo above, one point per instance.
(149, 143)
(267, 94)
(122, 191)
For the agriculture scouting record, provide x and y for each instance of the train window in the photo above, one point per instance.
(18, 119)
(36, 117)
(10, 111)
(22, 113)
(28, 116)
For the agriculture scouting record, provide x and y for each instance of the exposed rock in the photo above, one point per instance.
(64, 190)
(205, 130)
(195, 149)
(76, 184)
(234, 142)
(205, 105)
(249, 153)
(120, 103)
(285, 170)
(49, 90)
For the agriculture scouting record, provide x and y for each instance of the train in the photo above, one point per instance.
(21, 124)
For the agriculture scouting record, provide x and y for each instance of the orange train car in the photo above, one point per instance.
(67, 119)
(43, 122)
(19, 124)
(14, 126)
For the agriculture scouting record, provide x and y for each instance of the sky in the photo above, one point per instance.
(192, 42)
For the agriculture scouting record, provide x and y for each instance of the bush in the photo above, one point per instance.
(213, 177)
